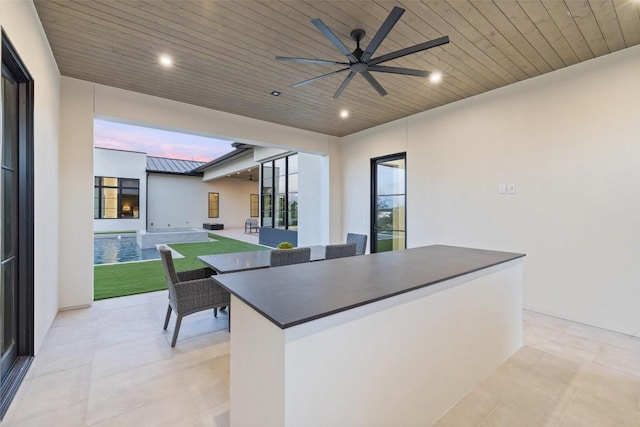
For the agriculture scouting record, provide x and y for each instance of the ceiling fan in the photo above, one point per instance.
(361, 61)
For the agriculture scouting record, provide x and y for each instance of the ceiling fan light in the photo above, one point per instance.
(435, 77)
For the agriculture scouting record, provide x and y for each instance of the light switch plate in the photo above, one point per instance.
(511, 189)
(502, 188)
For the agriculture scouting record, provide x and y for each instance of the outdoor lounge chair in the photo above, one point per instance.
(190, 291)
(289, 256)
(360, 240)
(339, 251)
(251, 224)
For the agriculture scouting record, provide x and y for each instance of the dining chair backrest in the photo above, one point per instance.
(289, 256)
(360, 240)
(339, 251)
(167, 264)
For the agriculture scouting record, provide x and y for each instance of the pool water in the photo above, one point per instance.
(112, 249)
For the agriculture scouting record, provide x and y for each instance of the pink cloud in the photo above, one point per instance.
(156, 142)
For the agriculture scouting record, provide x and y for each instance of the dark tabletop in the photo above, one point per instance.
(241, 261)
(296, 294)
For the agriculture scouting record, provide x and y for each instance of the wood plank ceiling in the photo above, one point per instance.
(224, 51)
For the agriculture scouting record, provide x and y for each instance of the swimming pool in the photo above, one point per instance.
(111, 249)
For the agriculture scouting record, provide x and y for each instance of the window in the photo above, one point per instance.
(279, 189)
(214, 205)
(254, 208)
(388, 204)
(116, 198)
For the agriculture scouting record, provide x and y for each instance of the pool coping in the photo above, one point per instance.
(175, 254)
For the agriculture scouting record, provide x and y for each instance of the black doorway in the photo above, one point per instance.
(16, 223)
(388, 203)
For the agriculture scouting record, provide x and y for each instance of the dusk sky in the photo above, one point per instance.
(158, 143)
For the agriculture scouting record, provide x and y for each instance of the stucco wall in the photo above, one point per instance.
(570, 142)
(356, 154)
(240, 164)
(182, 201)
(124, 105)
(122, 164)
(312, 206)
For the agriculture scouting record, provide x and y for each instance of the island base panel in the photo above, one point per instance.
(404, 360)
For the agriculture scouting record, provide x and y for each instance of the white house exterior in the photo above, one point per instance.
(120, 164)
(182, 201)
(172, 195)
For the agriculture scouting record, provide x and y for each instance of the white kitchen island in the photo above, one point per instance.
(388, 339)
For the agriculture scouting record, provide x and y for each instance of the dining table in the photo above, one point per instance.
(253, 260)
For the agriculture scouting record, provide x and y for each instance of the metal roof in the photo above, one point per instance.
(175, 166)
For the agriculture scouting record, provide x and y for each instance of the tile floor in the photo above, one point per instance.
(238, 233)
(111, 365)
(567, 374)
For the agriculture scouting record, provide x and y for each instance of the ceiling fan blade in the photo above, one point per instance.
(384, 30)
(373, 82)
(344, 84)
(397, 70)
(409, 50)
(302, 83)
(310, 61)
(333, 39)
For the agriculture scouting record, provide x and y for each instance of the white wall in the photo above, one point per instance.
(20, 21)
(570, 141)
(127, 106)
(312, 206)
(262, 154)
(182, 201)
(333, 185)
(238, 164)
(357, 152)
(76, 195)
(122, 164)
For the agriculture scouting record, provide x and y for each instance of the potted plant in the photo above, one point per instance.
(284, 245)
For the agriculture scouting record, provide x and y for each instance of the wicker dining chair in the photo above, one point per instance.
(281, 257)
(190, 291)
(360, 240)
(339, 251)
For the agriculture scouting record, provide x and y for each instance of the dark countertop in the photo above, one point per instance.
(296, 294)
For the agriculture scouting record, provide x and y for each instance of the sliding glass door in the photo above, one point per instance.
(388, 203)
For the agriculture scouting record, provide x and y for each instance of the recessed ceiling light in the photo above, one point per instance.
(166, 60)
(344, 114)
(276, 93)
(435, 77)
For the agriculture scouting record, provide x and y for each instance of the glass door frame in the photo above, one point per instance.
(25, 227)
(373, 246)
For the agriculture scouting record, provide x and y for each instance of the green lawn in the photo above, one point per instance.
(117, 280)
